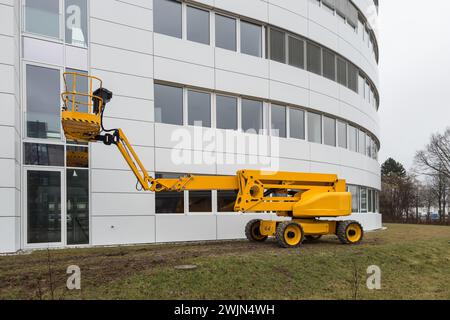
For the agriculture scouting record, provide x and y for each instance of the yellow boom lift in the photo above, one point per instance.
(304, 199)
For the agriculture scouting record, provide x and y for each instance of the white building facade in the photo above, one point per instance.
(200, 87)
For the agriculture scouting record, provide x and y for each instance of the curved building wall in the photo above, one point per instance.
(164, 77)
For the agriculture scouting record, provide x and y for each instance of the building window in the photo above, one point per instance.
(77, 157)
(76, 22)
(43, 207)
(198, 25)
(169, 202)
(296, 52)
(227, 113)
(77, 206)
(353, 138)
(168, 105)
(200, 201)
(314, 127)
(225, 32)
(329, 129)
(329, 4)
(278, 116)
(329, 65)
(167, 17)
(82, 85)
(42, 17)
(361, 84)
(368, 146)
(252, 116)
(354, 190)
(342, 71)
(370, 201)
(199, 109)
(226, 201)
(362, 142)
(314, 58)
(352, 77)
(43, 102)
(277, 46)
(342, 134)
(364, 200)
(43, 155)
(297, 123)
(251, 39)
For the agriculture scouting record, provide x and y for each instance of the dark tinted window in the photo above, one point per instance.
(329, 129)
(314, 127)
(297, 123)
(252, 116)
(77, 207)
(200, 201)
(199, 106)
(352, 77)
(226, 113)
(226, 201)
(277, 46)
(197, 25)
(278, 121)
(77, 157)
(314, 58)
(43, 102)
(251, 39)
(225, 32)
(43, 155)
(168, 104)
(342, 130)
(296, 52)
(169, 202)
(167, 17)
(329, 65)
(342, 71)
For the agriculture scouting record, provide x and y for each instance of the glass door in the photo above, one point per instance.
(44, 218)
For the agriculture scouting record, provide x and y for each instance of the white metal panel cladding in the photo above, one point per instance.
(126, 53)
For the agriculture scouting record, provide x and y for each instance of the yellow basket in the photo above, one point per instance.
(82, 109)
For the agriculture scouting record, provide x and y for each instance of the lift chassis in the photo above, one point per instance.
(302, 202)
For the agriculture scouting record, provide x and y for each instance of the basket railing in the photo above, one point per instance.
(79, 93)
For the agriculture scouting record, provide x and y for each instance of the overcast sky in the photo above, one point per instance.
(414, 74)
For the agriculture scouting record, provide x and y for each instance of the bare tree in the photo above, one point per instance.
(435, 158)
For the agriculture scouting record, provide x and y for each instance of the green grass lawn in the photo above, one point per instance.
(415, 264)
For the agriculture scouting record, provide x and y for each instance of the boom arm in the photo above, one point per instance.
(257, 191)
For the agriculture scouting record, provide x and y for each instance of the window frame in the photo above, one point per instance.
(237, 30)
(61, 29)
(262, 37)
(211, 106)
(186, 19)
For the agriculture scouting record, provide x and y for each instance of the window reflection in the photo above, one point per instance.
(42, 17)
(43, 102)
(43, 155)
(169, 202)
(200, 201)
(251, 39)
(226, 201)
(43, 207)
(77, 157)
(77, 207)
(76, 22)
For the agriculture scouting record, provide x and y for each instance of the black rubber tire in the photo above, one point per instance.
(341, 232)
(281, 228)
(313, 238)
(252, 231)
